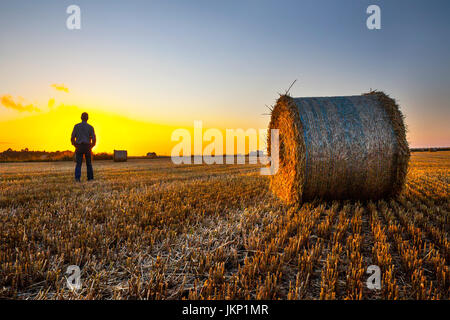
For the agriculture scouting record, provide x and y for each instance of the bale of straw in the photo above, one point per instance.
(120, 155)
(350, 147)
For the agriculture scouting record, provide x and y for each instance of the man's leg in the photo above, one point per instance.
(79, 158)
(90, 171)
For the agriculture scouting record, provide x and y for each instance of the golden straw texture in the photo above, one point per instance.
(350, 147)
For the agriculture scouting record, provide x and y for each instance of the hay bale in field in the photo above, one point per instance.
(120, 155)
(339, 147)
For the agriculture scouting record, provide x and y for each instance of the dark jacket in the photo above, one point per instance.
(83, 133)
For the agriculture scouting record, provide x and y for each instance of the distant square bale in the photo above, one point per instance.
(120, 155)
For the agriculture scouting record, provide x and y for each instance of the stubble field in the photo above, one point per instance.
(147, 229)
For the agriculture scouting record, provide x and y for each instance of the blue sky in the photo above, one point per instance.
(223, 61)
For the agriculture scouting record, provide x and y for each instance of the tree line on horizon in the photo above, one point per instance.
(11, 155)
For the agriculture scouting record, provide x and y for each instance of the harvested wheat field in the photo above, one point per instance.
(147, 229)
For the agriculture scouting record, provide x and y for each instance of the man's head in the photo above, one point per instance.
(84, 116)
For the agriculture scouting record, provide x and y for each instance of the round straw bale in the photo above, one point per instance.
(350, 147)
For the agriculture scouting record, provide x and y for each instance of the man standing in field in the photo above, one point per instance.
(83, 138)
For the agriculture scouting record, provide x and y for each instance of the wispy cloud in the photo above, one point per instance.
(8, 101)
(60, 87)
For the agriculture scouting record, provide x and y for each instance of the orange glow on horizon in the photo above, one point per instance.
(50, 131)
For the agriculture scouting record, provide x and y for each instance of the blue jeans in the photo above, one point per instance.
(83, 149)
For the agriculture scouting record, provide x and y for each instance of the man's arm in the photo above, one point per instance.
(74, 133)
(93, 138)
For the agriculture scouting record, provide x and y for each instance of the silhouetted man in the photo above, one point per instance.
(83, 138)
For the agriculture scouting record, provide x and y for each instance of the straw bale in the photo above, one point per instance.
(120, 155)
(351, 147)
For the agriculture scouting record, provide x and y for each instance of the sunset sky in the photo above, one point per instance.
(142, 69)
